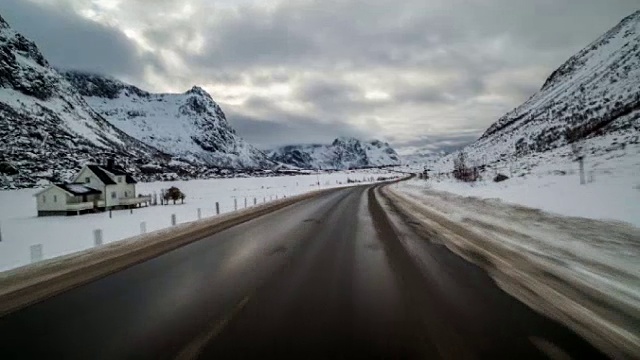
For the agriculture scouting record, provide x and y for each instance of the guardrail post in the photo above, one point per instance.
(173, 220)
(36, 253)
(97, 237)
(217, 208)
(143, 227)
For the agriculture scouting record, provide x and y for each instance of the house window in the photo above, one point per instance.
(113, 194)
(126, 194)
(44, 198)
(120, 179)
(55, 198)
(87, 180)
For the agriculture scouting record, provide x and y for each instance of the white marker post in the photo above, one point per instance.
(173, 220)
(199, 213)
(217, 208)
(235, 204)
(245, 202)
(36, 253)
(97, 237)
(143, 227)
(0, 232)
(255, 201)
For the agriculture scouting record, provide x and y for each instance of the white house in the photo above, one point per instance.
(95, 188)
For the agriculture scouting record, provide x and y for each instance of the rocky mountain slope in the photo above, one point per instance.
(47, 130)
(596, 92)
(189, 126)
(343, 153)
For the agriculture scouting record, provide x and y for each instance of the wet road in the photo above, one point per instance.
(323, 278)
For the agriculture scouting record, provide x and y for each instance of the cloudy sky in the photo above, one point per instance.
(417, 73)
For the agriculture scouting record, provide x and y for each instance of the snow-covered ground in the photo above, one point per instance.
(59, 235)
(550, 181)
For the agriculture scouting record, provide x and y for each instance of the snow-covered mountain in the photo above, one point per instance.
(47, 130)
(595, 93)
(190, 126)
(343, 153)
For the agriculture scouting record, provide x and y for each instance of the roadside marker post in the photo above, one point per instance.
(235, 204)
(245, 202)
(0, 232)
(264, 199)
(173, 220)
(255, 201)
(217, 208)
(97, 237)
(36, 253)
(199, 213)
(143, 227)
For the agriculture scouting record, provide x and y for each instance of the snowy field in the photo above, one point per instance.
(551, 182)
(20, 228)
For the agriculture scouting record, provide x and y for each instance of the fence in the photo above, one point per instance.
(24, 241)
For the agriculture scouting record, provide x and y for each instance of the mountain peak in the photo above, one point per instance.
(199, 91)
(3, 23)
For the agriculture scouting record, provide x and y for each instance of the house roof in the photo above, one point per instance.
(78, 189)
(101, 172)
(73, 189)
(103, 176)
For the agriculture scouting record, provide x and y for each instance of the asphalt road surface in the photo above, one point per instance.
(323, 278)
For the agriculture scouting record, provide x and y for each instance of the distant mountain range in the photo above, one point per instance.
(53, 122)
(343, 153)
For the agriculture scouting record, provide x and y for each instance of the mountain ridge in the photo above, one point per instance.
(342, 153)
(190, 126)
(595, 92)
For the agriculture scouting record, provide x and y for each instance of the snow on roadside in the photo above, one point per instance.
(586, 248)
(60, 235)
(550, 181)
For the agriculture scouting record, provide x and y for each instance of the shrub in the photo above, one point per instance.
(173, 193)
(462, 171)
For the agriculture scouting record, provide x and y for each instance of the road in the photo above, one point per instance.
(323, 278)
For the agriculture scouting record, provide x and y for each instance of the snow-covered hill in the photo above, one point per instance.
(595, 93)
(190, 126)
(343, 153)
(47, 130)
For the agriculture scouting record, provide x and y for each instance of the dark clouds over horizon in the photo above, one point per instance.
(427, 74)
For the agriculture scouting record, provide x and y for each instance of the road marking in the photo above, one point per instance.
(195, 347)
(549, 349)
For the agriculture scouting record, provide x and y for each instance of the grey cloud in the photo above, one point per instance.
(314, 46)
(277, 129)
(70, 41)
(437, 143)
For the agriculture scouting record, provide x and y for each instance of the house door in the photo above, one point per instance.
(84, 198)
